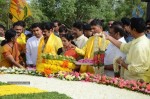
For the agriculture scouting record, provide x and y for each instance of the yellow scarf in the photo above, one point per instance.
(52, 46)
(21, 39)
(91, 45)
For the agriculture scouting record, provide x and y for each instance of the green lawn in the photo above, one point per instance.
(1, 83)
(44, 95)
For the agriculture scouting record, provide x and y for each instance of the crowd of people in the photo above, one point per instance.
(125, 42)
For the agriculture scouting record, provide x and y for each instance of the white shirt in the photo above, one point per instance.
(80, 41)
(32, 49)
(113, 52)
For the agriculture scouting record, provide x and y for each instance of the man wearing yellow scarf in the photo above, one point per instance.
(93, 44)
(21, 39)
(49, 43)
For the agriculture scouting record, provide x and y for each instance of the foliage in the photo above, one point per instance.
(4, 13)
(69, 11)
(2, 83)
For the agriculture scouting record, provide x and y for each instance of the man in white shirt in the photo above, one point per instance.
(77, 29)
(32, 44)
(112, 51)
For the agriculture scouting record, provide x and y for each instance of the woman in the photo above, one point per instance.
(9, 50)
(67, 48)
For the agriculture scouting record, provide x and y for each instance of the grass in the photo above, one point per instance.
(44, 95)
(2, 83)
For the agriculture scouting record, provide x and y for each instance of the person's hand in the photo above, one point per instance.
(119, 60)
(22, 67)
(106, 36)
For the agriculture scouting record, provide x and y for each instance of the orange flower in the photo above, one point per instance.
(65, 64)
(47, 71)
(43, 61)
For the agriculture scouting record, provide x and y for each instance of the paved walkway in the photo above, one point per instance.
(74, 89)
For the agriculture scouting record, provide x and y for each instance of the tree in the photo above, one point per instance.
(37, 14)
(4, 18)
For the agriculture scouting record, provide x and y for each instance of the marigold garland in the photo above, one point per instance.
(56, 63)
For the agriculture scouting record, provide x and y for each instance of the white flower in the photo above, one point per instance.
(3, 68)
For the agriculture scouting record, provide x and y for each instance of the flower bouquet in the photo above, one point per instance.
(99, 58)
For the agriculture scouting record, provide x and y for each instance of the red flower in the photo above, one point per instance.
(148, 87)
(103, 78)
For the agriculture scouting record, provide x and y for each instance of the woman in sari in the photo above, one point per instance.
(9, 53)
(67, 42)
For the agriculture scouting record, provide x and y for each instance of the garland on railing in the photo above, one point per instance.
(138, 86)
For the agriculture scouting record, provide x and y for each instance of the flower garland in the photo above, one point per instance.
(138, 86)
(133, 85)
(56, 63)
(16, 70)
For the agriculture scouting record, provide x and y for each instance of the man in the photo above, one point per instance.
(87, 30)
(93, 44)
(112, 51)
(77, 30)
(136, 64)
(57, 25)
(32, 45)
(2, 33)
(62, 30)
(126, 25)
(49, 43)
(21, 39)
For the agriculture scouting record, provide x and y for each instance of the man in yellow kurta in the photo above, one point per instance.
(137, 62)
(49, 43)
(93, 44)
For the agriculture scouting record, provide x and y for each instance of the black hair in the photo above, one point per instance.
(8, 36)
(138, 24)
(63, 28)
(97, 22)
(35, 25)
(56, 21)
(86, 26)
(78, 25)
(19, 23)
(69, 37)
(126, 21)
(1, 26)
(47, 25)
(118, 23)
(118, 29)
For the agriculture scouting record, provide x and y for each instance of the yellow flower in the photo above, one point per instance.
(14, 89)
